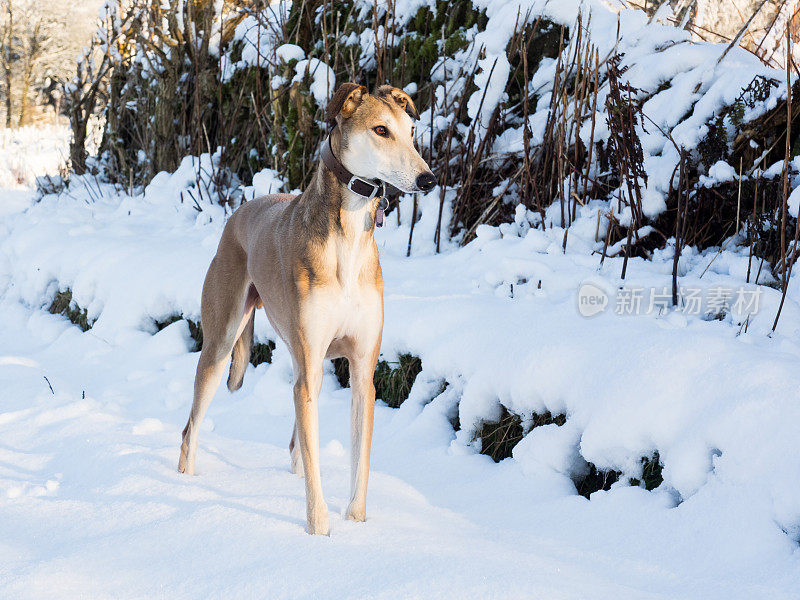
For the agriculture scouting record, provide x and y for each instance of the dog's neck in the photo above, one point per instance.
(343, 212)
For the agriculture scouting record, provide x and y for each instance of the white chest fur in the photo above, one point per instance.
(349, 304)
(354, 246)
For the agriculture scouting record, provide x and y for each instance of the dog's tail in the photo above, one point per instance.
(241, 354)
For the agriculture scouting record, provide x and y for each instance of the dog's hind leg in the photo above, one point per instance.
(224, 295)
(210, 369)
(294, 453)
(244, 341)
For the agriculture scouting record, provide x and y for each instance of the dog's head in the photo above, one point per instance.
(377, 136)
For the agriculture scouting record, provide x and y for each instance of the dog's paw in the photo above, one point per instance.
(185, 466)
(356, 513)
(319, 523)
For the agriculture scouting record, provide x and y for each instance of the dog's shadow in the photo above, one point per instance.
(174, 489)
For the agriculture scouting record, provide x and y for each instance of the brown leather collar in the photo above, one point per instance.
(363, 187)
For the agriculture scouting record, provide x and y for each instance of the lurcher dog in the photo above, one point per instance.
(311, 260)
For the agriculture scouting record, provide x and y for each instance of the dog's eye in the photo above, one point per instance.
(381, 131)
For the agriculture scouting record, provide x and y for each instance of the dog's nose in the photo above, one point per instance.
(426, 181)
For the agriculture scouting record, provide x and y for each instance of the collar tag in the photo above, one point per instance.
(383, 204)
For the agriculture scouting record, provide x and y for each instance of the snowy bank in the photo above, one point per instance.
(498, 320)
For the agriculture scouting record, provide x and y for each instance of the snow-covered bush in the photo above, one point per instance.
(520, 101)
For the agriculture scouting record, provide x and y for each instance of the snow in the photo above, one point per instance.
(88, 483)
(266, 181)
(289, 52)
(491, 79)
(719, 172)
(29, 151)
(794, 202)
(99, 511)
(259, 36)
(323, 79)
(91, 504)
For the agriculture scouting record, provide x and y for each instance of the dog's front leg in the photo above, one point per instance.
(362, 410)
(306, 391)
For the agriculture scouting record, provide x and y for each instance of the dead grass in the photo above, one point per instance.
(498, 438)
(393, 380)
(596, 480)
(195, 330)
(63, 304)
(651, 473)
(262, 353)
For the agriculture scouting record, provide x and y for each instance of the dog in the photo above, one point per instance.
(312, 262)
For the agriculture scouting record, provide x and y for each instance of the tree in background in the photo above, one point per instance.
(760, 24)
(7, 54)
(89, 86)
(38, 46)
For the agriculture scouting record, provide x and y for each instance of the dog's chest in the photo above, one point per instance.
(351, 267)
(351, 294)
(352, 251)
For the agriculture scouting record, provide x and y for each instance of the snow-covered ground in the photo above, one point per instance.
(92, 506)
(26, 152)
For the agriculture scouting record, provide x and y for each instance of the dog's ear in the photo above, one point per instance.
(400, 98)
(345, 100)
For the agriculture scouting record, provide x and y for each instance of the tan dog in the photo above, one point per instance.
(313, 263)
